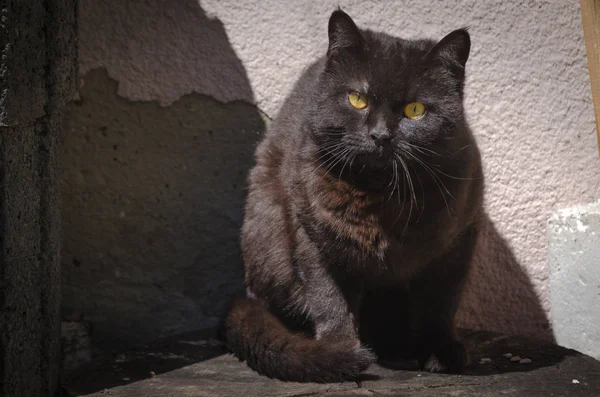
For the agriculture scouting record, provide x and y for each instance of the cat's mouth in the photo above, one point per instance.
(382, 154)
(379, 157)
(385, 151)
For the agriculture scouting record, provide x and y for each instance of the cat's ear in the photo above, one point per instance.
(454, 48)
(343, 33)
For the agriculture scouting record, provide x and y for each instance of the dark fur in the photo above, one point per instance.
(358, 250)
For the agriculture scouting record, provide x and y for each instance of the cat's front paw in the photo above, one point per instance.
(449, 358)
(434, 365)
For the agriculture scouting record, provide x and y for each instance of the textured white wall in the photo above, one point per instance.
(527, 98)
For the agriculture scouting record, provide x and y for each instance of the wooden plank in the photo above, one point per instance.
(590, 16)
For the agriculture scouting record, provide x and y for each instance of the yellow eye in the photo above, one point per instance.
(358, 100)
(414, 110)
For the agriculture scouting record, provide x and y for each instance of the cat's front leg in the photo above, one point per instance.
(438, 292)
(331, 299)
(333, 303)
(331, 296)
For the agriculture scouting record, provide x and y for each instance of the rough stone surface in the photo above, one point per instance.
(49, 221)
(574, 259)
(20, 243)
(153, 202)
(37, 63)
(528, 100)
(63, 55)
(29, 260)
(76, 344)
(192, 366)
(22, 61)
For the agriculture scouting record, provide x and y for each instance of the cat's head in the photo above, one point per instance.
(379, 96)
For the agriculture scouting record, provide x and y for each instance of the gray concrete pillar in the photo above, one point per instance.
(574, 277)
(38, 75)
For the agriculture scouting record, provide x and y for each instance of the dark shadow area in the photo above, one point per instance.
(153, 195)
(144, 362)
(504, 354)
(499, 295)
(493, 353)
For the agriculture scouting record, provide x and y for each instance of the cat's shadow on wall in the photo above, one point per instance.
(499, 295)
(174, 266)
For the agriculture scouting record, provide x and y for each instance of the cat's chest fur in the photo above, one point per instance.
(374, 235)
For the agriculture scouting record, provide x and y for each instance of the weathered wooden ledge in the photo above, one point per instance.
(194, 365)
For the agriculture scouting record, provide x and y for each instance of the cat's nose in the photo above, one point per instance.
(381, 136)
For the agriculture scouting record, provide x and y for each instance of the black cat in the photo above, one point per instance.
(362, 213)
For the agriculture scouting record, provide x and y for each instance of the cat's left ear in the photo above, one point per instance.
(343, 34)
(453, 48)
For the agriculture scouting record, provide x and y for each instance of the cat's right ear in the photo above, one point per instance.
(453, 50)
(344, 35)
